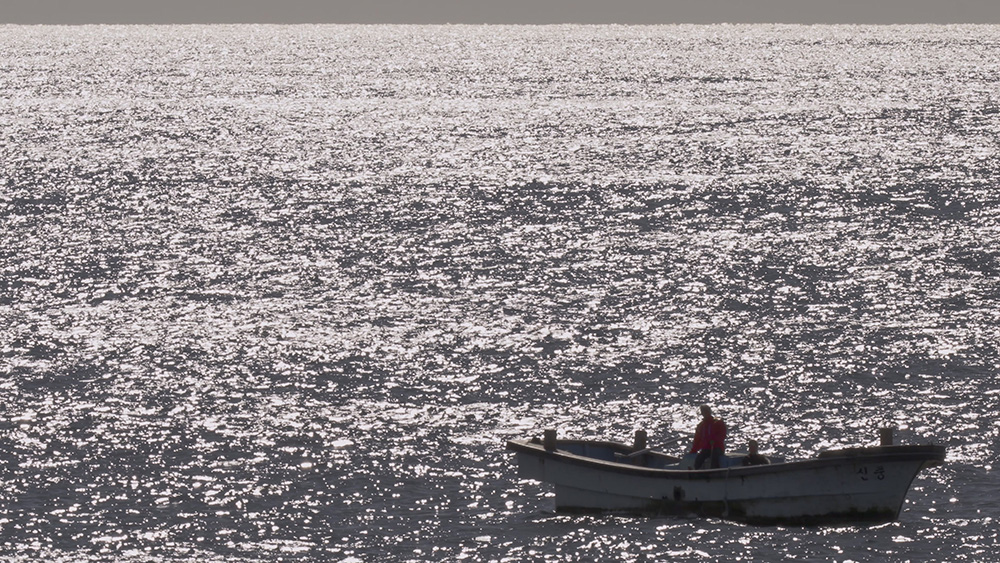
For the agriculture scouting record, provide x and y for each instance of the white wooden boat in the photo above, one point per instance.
(847, 485)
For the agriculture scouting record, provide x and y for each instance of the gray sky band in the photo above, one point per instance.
(500, 11)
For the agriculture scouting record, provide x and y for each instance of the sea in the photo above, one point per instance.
(283, 293)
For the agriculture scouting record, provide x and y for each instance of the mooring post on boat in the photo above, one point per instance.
(640, 440)
(549, 439)
(885, 436)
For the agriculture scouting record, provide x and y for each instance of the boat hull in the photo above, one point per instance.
(856, 485)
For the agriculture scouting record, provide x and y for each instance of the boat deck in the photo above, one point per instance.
(620, 453)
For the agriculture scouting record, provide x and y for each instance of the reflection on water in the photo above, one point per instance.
(274, 293)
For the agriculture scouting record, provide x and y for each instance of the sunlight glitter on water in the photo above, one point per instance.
(284, 292)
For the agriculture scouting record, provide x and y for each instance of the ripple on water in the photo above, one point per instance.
(277, 293)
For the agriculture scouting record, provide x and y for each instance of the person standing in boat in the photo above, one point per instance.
(709, 439)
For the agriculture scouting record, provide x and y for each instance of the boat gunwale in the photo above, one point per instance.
(931, 455)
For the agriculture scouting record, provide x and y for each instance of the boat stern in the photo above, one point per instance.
(530, 458)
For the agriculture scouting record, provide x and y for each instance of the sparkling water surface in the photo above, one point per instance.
(282, 293)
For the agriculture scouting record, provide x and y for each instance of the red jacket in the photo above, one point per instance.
(709, 434)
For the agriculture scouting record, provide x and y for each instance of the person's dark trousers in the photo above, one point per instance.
(714, 453)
